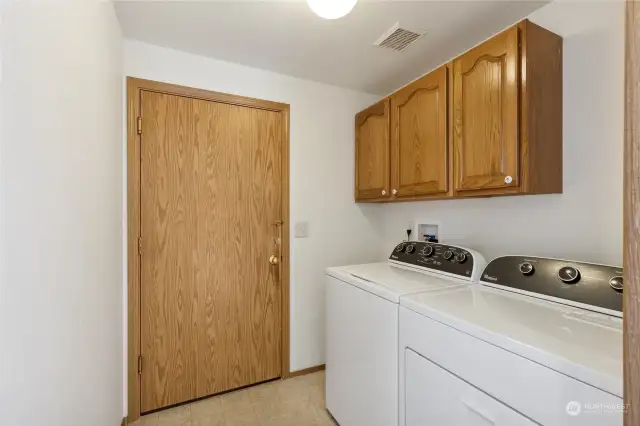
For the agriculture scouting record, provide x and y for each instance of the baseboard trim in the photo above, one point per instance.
(124, 422)
(306, 371)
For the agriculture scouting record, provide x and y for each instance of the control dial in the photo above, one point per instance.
(400, 248)
(448, 254)
(616, 283)
(410, 248)
(461, 258)
(569, 274)
(427, 251)
(526, 268)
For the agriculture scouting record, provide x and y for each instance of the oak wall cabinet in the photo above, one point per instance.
(372, 152)
(419, 139)
(488, 123)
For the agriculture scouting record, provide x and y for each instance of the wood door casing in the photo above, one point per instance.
(419, 139)
(486, 132)
(210, 195)
(631, 215)
(372, 152)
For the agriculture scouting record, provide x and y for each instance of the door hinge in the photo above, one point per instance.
(140, 364)
(140, 246)
(139, 125)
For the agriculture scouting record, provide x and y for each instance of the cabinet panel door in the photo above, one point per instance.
(486, 135)
(372, 152)
(419, 137)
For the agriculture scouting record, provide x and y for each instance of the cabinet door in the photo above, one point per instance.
(419, 136)
(485, 133)
(436, 397)
(372, 152)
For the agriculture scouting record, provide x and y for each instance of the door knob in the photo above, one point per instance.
(274, 260)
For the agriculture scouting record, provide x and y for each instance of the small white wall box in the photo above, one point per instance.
(427, 229)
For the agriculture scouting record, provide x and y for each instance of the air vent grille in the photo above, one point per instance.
(398, 38)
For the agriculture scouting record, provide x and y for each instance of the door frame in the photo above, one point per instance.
(631, 230)
(134, 88)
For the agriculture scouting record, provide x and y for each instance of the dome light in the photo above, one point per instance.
(331, 9)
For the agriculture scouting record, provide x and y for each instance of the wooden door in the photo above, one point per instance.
(372, 152)
(419, 136)
(210, 196)
(485, 133)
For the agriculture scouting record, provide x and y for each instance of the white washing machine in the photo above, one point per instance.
(362, 325)
(539, 342)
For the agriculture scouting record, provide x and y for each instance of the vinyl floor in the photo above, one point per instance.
(293, 402)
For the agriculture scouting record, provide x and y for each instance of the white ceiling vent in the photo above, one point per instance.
(397, 38)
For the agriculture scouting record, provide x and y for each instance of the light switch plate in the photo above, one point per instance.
(301, 230)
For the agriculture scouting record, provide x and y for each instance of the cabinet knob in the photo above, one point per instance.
(508, 180)
(384, 192)
(394, 192)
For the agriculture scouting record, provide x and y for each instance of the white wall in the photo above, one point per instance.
(321, 173)
(60, 215)
(585, 222)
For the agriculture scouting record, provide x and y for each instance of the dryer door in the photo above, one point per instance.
(436, 397)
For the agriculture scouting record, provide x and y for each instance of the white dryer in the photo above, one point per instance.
(540, 342)
(362, 306)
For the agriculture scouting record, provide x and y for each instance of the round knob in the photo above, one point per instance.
(616, 283)
(274, 260)
(448, 254)
(568, 274)
(400, 248)
(384, 192)
(526, 268)
(428, 251)
(394, 192)
(461, 258)
(410, 248)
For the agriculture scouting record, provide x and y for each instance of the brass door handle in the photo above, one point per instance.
(274, 260)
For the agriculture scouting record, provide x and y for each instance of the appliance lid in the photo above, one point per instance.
(388, 281)
(581, 344)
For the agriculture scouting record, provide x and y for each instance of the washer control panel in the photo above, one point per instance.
(437, 257)
(577, 283)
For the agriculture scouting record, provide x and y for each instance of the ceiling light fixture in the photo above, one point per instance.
(331, 9)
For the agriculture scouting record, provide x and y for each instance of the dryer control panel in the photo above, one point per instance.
(582, 284)
(440, 258)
